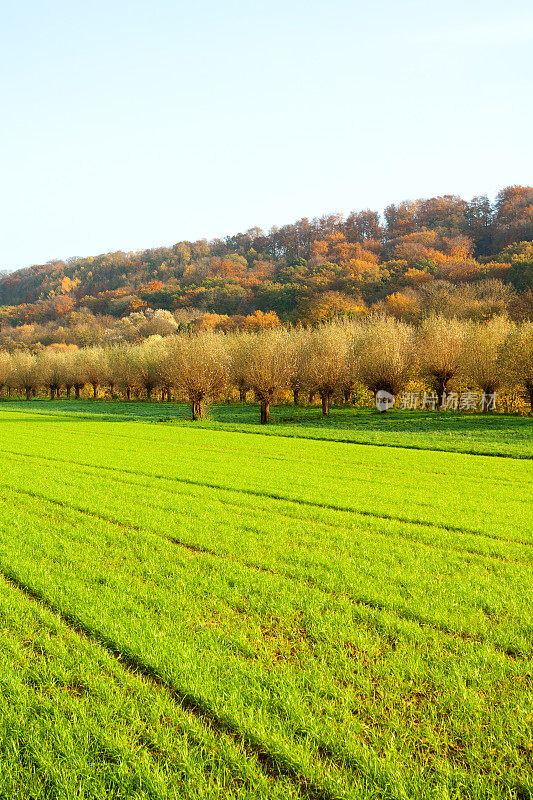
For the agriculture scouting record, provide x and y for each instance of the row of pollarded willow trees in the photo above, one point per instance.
(380, 353)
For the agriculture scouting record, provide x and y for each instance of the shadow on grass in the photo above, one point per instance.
(248, 413)
(486, 434)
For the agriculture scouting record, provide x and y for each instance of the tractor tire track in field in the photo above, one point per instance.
(327, 524)
(379, 444)
(305, 503)
(444, 547)
(283, 435)
(224, 449)
(271, 496)
(144, 739)
(272, 764)
(376, 605)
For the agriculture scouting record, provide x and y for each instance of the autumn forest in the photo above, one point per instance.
(466, 259)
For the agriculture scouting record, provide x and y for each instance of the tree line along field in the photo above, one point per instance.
(338, 609)
(338, 360)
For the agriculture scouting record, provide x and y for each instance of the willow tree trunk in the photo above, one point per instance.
(347, 397)
(325, 397)
(28, 394)
(296, 396)
(529, 388)
(488, 392)
(265, 412)
(148, 393)
(128, 393)
(68, 391)
(440, 386)
(95, 391)
(197, 409)
(242, 395)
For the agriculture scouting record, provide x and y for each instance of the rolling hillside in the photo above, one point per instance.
(404, 261)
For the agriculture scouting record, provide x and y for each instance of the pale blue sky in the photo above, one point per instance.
(129, 124)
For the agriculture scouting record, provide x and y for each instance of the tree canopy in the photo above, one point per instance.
(309, 271)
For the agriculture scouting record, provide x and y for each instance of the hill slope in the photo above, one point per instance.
(309, 270)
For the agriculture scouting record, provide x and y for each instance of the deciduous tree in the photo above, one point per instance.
(481, 363)
(325, 361)
(516, 358)
(26, 375)
(267, 364)
(439, 349)
(384, 355)
(200, 368)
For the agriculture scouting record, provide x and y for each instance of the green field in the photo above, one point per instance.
(490, 434)
(321, 609)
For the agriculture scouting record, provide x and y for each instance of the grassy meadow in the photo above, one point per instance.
(317, 609)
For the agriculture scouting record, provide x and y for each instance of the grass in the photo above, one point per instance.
(75, 723)
(488, 434)
(198, 611)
